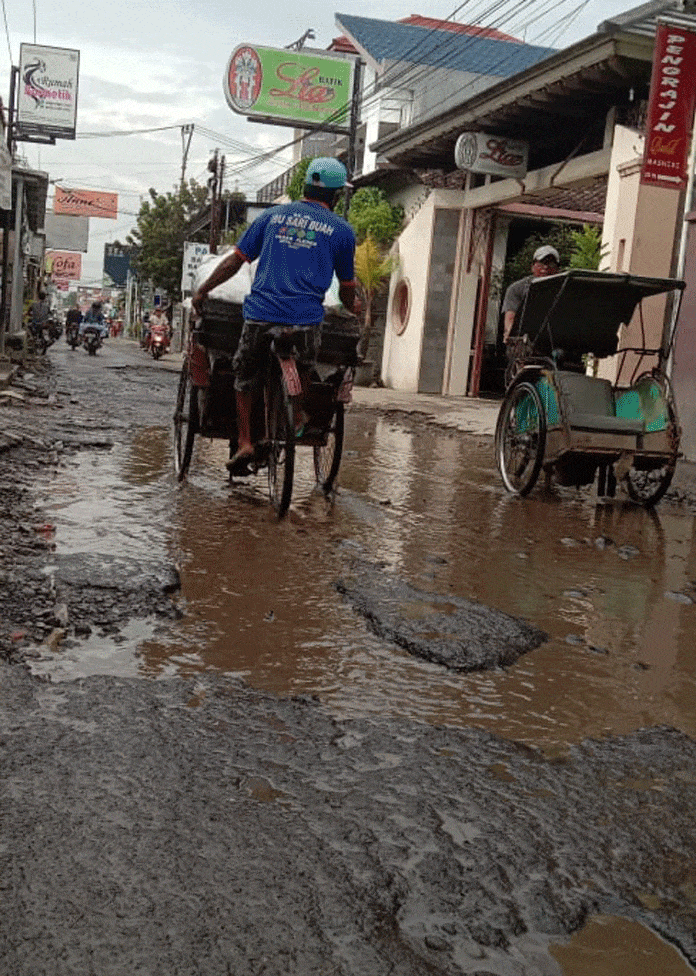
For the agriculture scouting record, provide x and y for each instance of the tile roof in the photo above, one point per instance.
(450, 25)
(384, 40)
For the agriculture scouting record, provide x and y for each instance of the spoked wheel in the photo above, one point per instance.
(185, 423)
(648, 487)
(327, 457)
(281, 446)
(520, 438)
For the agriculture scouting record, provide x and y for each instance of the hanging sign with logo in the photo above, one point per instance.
(62, 265)
(86, 203)
(479, 152)
(670, 109)
(289, 87)
(47, 92)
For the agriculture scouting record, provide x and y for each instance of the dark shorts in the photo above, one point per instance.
(251, 356)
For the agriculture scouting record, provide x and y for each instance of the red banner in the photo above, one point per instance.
(62, 265)
(85, 203)
(670, 109)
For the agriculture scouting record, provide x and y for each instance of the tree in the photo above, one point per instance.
(162, 228)
(371, 215)
(587, 247)
(372, 269)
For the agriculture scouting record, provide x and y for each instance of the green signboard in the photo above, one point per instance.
(290, 87)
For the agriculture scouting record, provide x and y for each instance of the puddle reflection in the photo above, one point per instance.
(612, 585)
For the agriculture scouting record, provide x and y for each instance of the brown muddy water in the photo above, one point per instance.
(613, 585)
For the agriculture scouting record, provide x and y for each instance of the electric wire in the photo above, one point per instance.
(7, 31)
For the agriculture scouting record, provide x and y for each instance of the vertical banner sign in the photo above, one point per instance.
(670, 109)
(47, 92)
(296, 88)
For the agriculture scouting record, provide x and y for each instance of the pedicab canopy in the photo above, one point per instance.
(581, 311)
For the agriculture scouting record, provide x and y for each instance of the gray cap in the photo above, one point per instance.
(546, 251)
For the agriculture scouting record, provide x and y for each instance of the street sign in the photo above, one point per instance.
(193, 255)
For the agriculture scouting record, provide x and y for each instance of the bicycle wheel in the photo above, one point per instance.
(520, 438)
(281, 445)
(185, 423)
(327, 457)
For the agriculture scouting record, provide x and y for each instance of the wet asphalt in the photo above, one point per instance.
(193, 823)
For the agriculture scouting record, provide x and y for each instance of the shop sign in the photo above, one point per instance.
(47, 96)
(62, 265)
(480, 152)
(86, 203)
(670, 109)
(289, 87)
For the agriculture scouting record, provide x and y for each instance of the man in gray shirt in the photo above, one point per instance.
(546, 262)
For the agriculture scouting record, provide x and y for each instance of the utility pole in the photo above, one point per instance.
(7, 214)
(186, 130)
(217, 167)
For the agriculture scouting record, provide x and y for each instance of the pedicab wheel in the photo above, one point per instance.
(327, 457)
(520, 438)
(281, 446)
(185, 423)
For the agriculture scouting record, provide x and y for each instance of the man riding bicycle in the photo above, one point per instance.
(299, 246)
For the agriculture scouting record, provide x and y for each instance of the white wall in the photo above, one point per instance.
(402, 353)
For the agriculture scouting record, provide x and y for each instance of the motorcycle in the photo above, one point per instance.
(158, 340)
(54, 330)
(92, 339)
(72, 334)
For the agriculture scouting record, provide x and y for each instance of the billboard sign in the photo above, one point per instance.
(297, 88)
(670, 109)
(86, 203)
(66, 233)
(193, 255)
(479, 152)
(62, 265)
(47, 92)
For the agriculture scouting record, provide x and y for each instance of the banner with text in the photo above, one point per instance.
(289, 87)
(670, 109)
(62, 265)
(86, 203)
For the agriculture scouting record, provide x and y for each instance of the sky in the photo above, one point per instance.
(146, 65)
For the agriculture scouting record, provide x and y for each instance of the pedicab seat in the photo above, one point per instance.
(586, 403)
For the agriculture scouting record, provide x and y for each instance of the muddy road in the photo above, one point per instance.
(424, 728)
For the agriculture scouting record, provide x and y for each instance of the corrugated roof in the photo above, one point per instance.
(384, 41)
(643, 19)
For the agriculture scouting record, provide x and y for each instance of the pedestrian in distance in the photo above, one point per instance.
(299, 246)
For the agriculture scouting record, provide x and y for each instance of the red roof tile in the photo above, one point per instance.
(430, 22)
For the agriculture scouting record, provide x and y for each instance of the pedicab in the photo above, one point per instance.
(297, 407)
(560, 418)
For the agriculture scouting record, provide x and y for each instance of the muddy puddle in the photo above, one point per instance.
(614, 586)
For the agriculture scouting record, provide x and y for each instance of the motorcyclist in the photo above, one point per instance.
(299, 247)
(72, 321)
(94, 318)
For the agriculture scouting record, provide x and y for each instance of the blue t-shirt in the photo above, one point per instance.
(299, 246)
